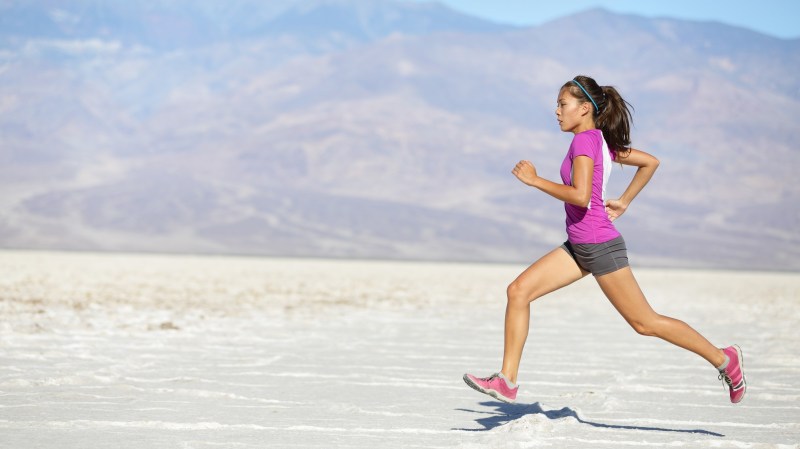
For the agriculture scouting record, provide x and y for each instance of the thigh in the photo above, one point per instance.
(621, 288)
(554, 270)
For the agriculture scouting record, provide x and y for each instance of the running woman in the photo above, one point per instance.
(600, 120)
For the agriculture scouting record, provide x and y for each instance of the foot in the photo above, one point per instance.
(733, 373)
(496, 386)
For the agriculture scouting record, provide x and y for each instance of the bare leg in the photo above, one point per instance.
(554, 270)
(624, 293)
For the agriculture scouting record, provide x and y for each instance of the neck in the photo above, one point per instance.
(584, 127)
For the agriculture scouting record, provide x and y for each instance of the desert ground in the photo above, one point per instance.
(160, 351)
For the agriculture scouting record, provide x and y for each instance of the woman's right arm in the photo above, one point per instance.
(647, 166)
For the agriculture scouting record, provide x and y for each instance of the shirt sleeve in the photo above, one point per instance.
(584, 144)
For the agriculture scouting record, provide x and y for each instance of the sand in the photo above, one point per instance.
(148, 351)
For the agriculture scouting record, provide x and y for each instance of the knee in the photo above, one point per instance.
(518, 295)
(647, 326)
(642, 329)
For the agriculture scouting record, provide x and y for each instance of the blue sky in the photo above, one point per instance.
(780, 18)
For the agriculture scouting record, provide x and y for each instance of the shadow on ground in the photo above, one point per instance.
(505, 413)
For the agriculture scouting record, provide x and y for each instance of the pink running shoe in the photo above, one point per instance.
(733, 373)
(496, 386)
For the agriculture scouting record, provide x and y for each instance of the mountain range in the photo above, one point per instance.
(380, 129)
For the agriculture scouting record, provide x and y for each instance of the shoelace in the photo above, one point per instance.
(725, 380)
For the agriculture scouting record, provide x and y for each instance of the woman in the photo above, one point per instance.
(600, 120)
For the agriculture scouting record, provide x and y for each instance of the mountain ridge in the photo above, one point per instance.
(181, 23)
(397, 146)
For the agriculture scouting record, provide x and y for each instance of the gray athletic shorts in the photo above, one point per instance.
(600, 258)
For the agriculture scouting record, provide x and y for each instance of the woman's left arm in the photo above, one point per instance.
(647, 166)
(579, 193)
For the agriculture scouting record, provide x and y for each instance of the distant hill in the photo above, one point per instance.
(180, 24)
(380, 129)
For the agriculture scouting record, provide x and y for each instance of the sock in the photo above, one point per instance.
(724, 365)
(509, 384)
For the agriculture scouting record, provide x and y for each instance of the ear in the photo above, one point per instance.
(586, 108)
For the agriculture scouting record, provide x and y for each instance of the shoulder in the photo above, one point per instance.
(587, 143)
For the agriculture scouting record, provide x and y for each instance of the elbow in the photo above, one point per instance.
(583, 199)
(655, 163)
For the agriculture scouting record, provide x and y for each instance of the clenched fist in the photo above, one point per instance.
(525, 172)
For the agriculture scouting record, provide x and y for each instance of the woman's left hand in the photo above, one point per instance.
(525, 172)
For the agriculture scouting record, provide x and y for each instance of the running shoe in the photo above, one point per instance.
(733, 373)
(496, 386)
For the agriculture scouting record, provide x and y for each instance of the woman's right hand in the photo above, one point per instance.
(615, 208)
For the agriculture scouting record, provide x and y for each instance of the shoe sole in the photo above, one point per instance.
(493, 393)
(741, 367)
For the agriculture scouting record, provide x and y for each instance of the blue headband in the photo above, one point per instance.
(587, 94)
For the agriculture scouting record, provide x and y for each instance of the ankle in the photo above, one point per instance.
(510, 381)
(722, 360)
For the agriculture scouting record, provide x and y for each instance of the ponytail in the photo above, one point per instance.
(612, 114)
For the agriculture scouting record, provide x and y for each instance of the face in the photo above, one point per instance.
(570, 112)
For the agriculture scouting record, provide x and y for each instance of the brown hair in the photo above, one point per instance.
(612, 114)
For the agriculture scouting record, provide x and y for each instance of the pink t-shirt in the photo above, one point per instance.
(590, 224)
